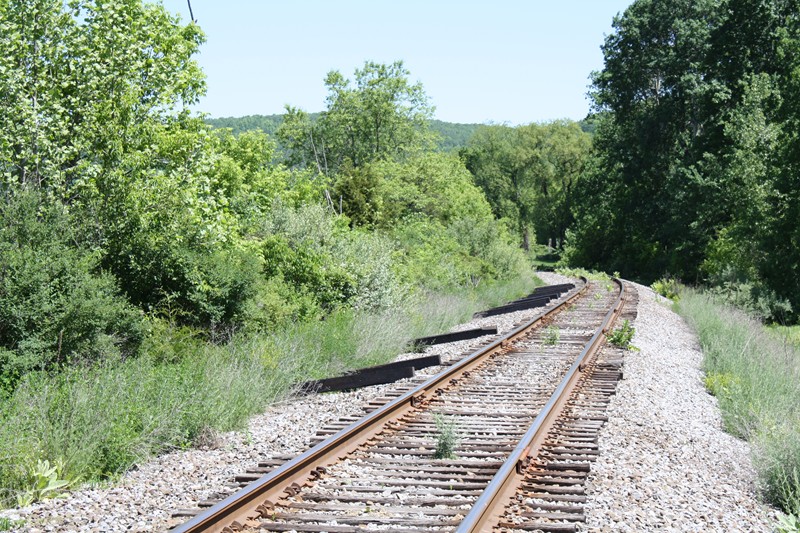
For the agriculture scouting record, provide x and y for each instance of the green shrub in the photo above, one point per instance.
(667, 287)
(446, 437)
(56, 307)
(552, 335)
(317, 253)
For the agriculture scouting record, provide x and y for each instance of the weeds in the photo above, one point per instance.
(788, 524)
(552, 335)
(102, 419)
(588, 274)
(621, 337)
(720, 384)
(668, 288)
(7, 524)
(43, 482)
(446, 437)
(756, 378)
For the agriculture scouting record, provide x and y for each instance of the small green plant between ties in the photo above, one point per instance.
(446, 437)
(552, 335)
(621, 337)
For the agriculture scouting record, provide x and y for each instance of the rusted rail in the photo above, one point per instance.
(487, 511)
(257, 498)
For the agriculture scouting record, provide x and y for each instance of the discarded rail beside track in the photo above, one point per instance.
(491, 457)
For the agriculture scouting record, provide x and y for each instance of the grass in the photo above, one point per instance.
(552, 335)
(6, 524)
(95, 422)
(446, 437)
(789, 334)
(755, 375)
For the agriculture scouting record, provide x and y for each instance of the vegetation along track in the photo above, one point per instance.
(524, 411)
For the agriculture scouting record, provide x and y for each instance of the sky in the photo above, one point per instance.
(499, 61)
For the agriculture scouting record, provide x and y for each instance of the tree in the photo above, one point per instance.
(695, 174)
(379, 116)
(528, 174)
(82, 83)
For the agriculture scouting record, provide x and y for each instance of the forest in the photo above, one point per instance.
(148, 251)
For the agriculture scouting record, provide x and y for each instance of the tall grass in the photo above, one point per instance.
(756, 377)
(97, 421)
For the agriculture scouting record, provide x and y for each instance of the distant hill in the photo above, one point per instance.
(453, 135)
(266, 123)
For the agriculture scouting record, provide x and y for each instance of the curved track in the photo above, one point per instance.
(381, 471)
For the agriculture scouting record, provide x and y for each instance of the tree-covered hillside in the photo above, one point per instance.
(452, 136)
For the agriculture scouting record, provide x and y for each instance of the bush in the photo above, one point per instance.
(317, 253)
(668, 288)
(56, 306)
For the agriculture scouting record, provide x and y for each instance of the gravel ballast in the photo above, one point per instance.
(665, 462)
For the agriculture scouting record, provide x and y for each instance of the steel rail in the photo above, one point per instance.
(284, 480)
(488, 509)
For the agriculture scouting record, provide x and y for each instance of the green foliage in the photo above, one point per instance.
(529, 173)
(267, 123)
(788, 524)
(755, 377)
(6, 524)
(467, 253)
(696, 145)
(790, 334)
(43, 482)
(245, 170)
(318, 254)
(668, 288)
(56, 307)
(102, 419)
(552, 335)
(592, 275)
(308, 271)
(622, 336)
(82, 83)
(720, 384)
(381, 116)
(446, 437)
(451, 136)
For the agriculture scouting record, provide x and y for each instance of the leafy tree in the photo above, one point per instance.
(528, 173)
(694, 175)
(55, 308)
(82, 82)
(378, 116)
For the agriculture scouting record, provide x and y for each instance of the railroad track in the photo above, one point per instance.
(527, 409)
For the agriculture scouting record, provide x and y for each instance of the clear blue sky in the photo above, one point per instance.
(493, 60)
